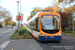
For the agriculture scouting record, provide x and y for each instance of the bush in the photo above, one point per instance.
(24, 29)
(68, 30)
(16, 31)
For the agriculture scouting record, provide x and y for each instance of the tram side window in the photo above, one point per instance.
(37, 24)
(31, 25)
(34, 25)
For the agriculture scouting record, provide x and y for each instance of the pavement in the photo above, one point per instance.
(23, 44)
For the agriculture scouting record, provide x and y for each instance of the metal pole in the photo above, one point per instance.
(73, 19)
(17, 16)
(21, 15)
(20, 12)
(17, 12)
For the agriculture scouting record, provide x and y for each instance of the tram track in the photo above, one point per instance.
(50, 46)
(55, 45)
(62, 45)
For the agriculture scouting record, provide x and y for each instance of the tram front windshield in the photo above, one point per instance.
(50, 22)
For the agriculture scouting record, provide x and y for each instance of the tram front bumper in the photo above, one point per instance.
(50, 38)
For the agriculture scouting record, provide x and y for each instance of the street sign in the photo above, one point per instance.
(21, 25)
(73, 14)
(19, 17)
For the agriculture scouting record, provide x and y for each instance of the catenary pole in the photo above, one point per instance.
(17, 15)
(21, 15)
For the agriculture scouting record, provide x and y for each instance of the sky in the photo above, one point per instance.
(26, 6)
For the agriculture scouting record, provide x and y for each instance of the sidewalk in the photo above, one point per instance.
(25, 44)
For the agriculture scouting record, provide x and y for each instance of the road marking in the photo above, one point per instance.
(32, 48)
(6, 31)
(12, 49)
(5, 44)
(1, 34)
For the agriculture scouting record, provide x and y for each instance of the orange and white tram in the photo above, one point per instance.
(45, 26)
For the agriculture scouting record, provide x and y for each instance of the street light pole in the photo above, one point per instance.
(17, 14)
(21, 16)
(20, 12)
(73, 19)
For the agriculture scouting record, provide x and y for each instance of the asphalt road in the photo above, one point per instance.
(5, 33)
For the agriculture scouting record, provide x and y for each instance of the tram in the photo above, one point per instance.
(45, 26)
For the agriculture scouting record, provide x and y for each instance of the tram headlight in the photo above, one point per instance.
(60, 34)
(42, 34)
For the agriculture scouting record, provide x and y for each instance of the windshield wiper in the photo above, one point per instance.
(44, 27)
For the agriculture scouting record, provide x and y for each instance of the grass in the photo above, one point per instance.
(69, 33)
(25, 35)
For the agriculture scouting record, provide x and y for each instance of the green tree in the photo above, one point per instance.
(7, 21)
(57, 8)
(14, 24)
(4, 14)
(48, 9)
(28, 18)
(65, 19)
(66, 16)
(34, 11)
